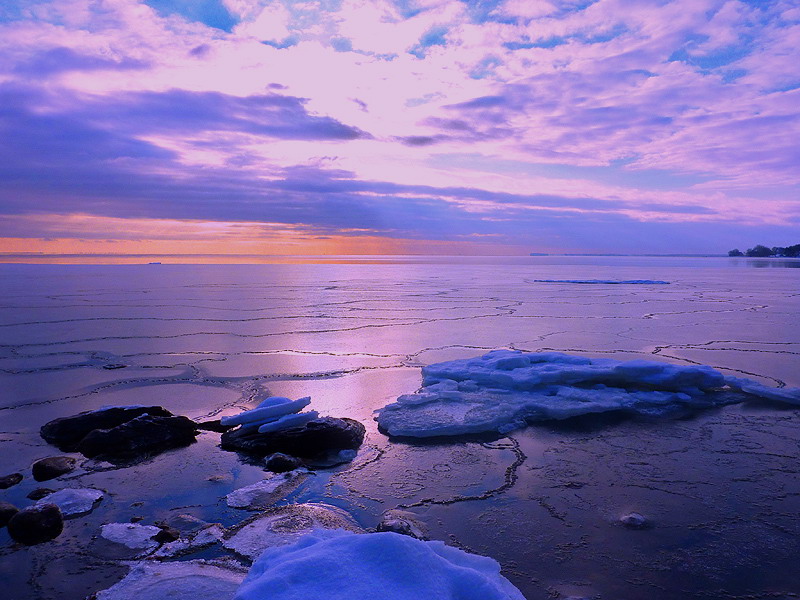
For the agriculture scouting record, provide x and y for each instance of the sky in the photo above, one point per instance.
(398, 126)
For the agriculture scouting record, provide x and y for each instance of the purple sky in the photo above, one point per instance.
(477, 126)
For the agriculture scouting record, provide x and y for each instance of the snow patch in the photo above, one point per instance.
(340, 565)
(506, 389)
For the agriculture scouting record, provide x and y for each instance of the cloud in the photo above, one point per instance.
(435, 118)
(61, 59)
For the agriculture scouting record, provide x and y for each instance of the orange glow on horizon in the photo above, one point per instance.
(82, 238)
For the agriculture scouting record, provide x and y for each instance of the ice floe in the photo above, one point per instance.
(195, 579)
(340, 565)
(284, 525)
(606, 281)
(506, 389)
(73, 501)
(267, 491)
(133, 535)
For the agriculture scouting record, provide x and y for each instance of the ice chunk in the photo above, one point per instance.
(209, 535)
(289, 421)
(274, 401)
(73, 501)
(340, 565)
(748, 386)
(267, 491)
(194, 579)
(268, 412)
(133, 535)
(284, 525)
(505, 389)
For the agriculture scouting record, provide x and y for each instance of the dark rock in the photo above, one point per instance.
(215, 425)
(146, 434)
(112, 366)
(167, 533)
(8, 480)
(6, 512)
(316, 437)
(331, 459)
(67, 432)
(281, 463)
(36, 524)
(634, 521)
(39, 493)
(52, 467)
(402, 522)
(136, 519)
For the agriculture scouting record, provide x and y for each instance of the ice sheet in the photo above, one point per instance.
(506, 389)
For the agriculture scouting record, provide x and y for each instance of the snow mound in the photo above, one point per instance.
(73, 501)
(284, 525)
(267, 491)
(194, 579)
(340, 565)
(605, 281)
(506, 389)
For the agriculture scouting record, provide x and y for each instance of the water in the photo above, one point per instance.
(721, 488)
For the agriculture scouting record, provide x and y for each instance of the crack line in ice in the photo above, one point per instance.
(509, 479)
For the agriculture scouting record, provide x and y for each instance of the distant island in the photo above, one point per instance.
(762, 251)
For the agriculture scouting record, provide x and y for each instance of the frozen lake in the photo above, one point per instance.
(721, 487)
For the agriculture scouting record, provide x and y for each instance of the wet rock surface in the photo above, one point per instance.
(318, 437)
(39, 493)
(280, 463)
(214, 425)
(36, 524)
(143, 435)
(11, 480)
(167, 533)
(7, 510)
(52, 467)
(67, 432)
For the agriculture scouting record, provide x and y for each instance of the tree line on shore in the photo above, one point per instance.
(762, 251)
